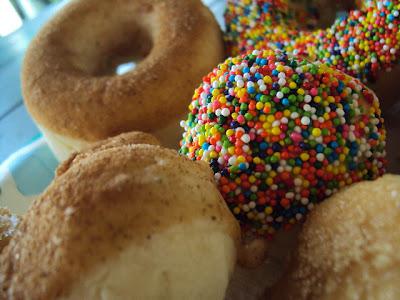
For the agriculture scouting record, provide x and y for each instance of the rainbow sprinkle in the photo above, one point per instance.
(282, 134)
(360, 44)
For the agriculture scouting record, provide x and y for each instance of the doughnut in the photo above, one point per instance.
(68, 75)
(348, 247)
(281, 134)
(362, 44)
(126, 221)
(8, 224)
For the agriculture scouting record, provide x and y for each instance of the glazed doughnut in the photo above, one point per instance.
(362, 44)
(124, 222)
(349, 247)
(281, 134)
(68, 77)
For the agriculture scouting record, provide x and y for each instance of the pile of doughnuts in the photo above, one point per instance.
(284, 124)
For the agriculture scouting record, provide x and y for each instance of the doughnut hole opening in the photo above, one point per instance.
(110, 40)
(313, 14)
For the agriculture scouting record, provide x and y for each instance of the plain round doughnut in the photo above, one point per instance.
(68, 77)
(348, 248)
(124, 221)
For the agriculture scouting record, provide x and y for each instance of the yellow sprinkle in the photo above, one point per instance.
(260, 105)
(270, 118)
(213, 154)
(316, 132)
(296, 170)
(304, 156)
(267, 79)
(252, 179)
(268, 210)
(300, 91)
(276, 131)
(241, 159)
(213, 130)
(202, 139)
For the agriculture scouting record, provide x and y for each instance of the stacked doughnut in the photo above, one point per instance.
(282, 134)
(361, 44)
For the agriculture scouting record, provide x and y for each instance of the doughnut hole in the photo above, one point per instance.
(112, 38)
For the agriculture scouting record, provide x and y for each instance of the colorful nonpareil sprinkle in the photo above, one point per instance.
(282, 134)
(359, 44)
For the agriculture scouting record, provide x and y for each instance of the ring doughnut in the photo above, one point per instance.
(282, 134)
(116, 223)
(362, 44)
(69, 82)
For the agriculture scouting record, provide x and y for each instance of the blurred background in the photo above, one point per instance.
(19, 22)
(13, 13)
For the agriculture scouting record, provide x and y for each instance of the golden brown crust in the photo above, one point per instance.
(98, 206)
(67, 78)
(349, 247)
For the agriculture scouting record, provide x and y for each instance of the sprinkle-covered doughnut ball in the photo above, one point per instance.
(282, 134)
(359, 44)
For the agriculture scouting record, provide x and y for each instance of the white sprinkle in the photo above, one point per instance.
(282, 82)
(305, 121)
(245, 138)
(304, 201)
(307, 98)
(298, 182)
(279, 95)
(225, 112)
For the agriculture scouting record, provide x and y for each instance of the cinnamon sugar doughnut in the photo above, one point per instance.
(124, 221)
(68, 79)
(348, 248)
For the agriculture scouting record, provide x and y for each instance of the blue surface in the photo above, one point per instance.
(16, 127)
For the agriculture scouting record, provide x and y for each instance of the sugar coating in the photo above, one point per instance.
(281, 134)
